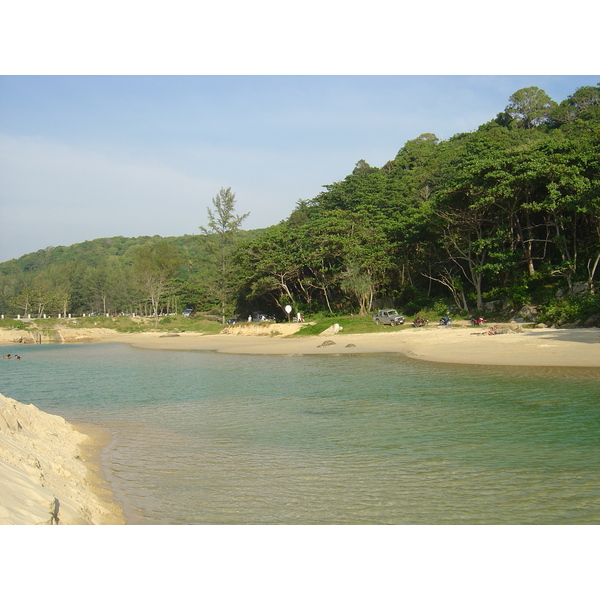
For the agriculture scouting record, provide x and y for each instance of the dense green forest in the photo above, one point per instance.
(488, 221)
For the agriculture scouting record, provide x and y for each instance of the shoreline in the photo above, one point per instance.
(454, 345)
(50, 470)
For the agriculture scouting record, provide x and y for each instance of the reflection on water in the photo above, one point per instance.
(200, 437)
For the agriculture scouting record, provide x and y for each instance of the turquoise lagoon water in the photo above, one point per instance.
(207, 438)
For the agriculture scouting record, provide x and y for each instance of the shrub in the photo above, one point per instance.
(570, 309)
(13, 324)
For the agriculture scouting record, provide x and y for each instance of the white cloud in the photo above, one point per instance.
(53, 194)
(58, 194)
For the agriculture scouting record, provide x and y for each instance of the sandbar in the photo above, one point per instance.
(458, 345)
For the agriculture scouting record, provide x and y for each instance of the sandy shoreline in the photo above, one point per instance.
(49, 470)
(462, 345)
(548, 347)
(459, 345)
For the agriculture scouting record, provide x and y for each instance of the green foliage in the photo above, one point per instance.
(154, 268)
(570, 309)
(349, 324)
(440, 307)
(530, 107)
(221, 240)
(97, 276)
(13, 324)
(584, 104)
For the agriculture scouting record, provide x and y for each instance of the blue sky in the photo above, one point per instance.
(83, 157)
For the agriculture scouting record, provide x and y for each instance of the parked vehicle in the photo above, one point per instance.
(188, 312)
(388, 316)
(260, 317)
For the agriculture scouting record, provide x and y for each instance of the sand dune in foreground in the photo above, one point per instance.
(47, 475)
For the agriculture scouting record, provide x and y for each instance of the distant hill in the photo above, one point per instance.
(94, 252)
(95, 275)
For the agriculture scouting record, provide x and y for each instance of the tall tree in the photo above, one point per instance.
(583, 104)
(530, 107)
(221, 233)
(108, 284)
(273, 267)
(154, 266)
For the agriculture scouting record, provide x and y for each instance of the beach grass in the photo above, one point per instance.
(350, 325)
(121, 324)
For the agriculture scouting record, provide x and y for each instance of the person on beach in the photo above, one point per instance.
(6, 356)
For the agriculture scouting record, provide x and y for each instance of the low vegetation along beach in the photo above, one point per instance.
(49, 469)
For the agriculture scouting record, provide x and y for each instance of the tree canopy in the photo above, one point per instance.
(501, 216)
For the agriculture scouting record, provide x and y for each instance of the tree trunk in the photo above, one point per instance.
(591, 272)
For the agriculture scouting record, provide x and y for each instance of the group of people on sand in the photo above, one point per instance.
(16, 356)
(492, 331)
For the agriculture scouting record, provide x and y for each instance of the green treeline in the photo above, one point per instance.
(112, 275)
(508, 214)
(494, 219)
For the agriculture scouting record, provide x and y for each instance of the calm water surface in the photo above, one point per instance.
(206, 438)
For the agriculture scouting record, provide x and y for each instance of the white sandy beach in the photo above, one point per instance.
(464, 345)
(43, 459)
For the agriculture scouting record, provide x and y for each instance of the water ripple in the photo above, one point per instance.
(199, 437)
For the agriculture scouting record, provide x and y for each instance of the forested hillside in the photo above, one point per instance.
(496, 218)
(106, 276)
(493, 219)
